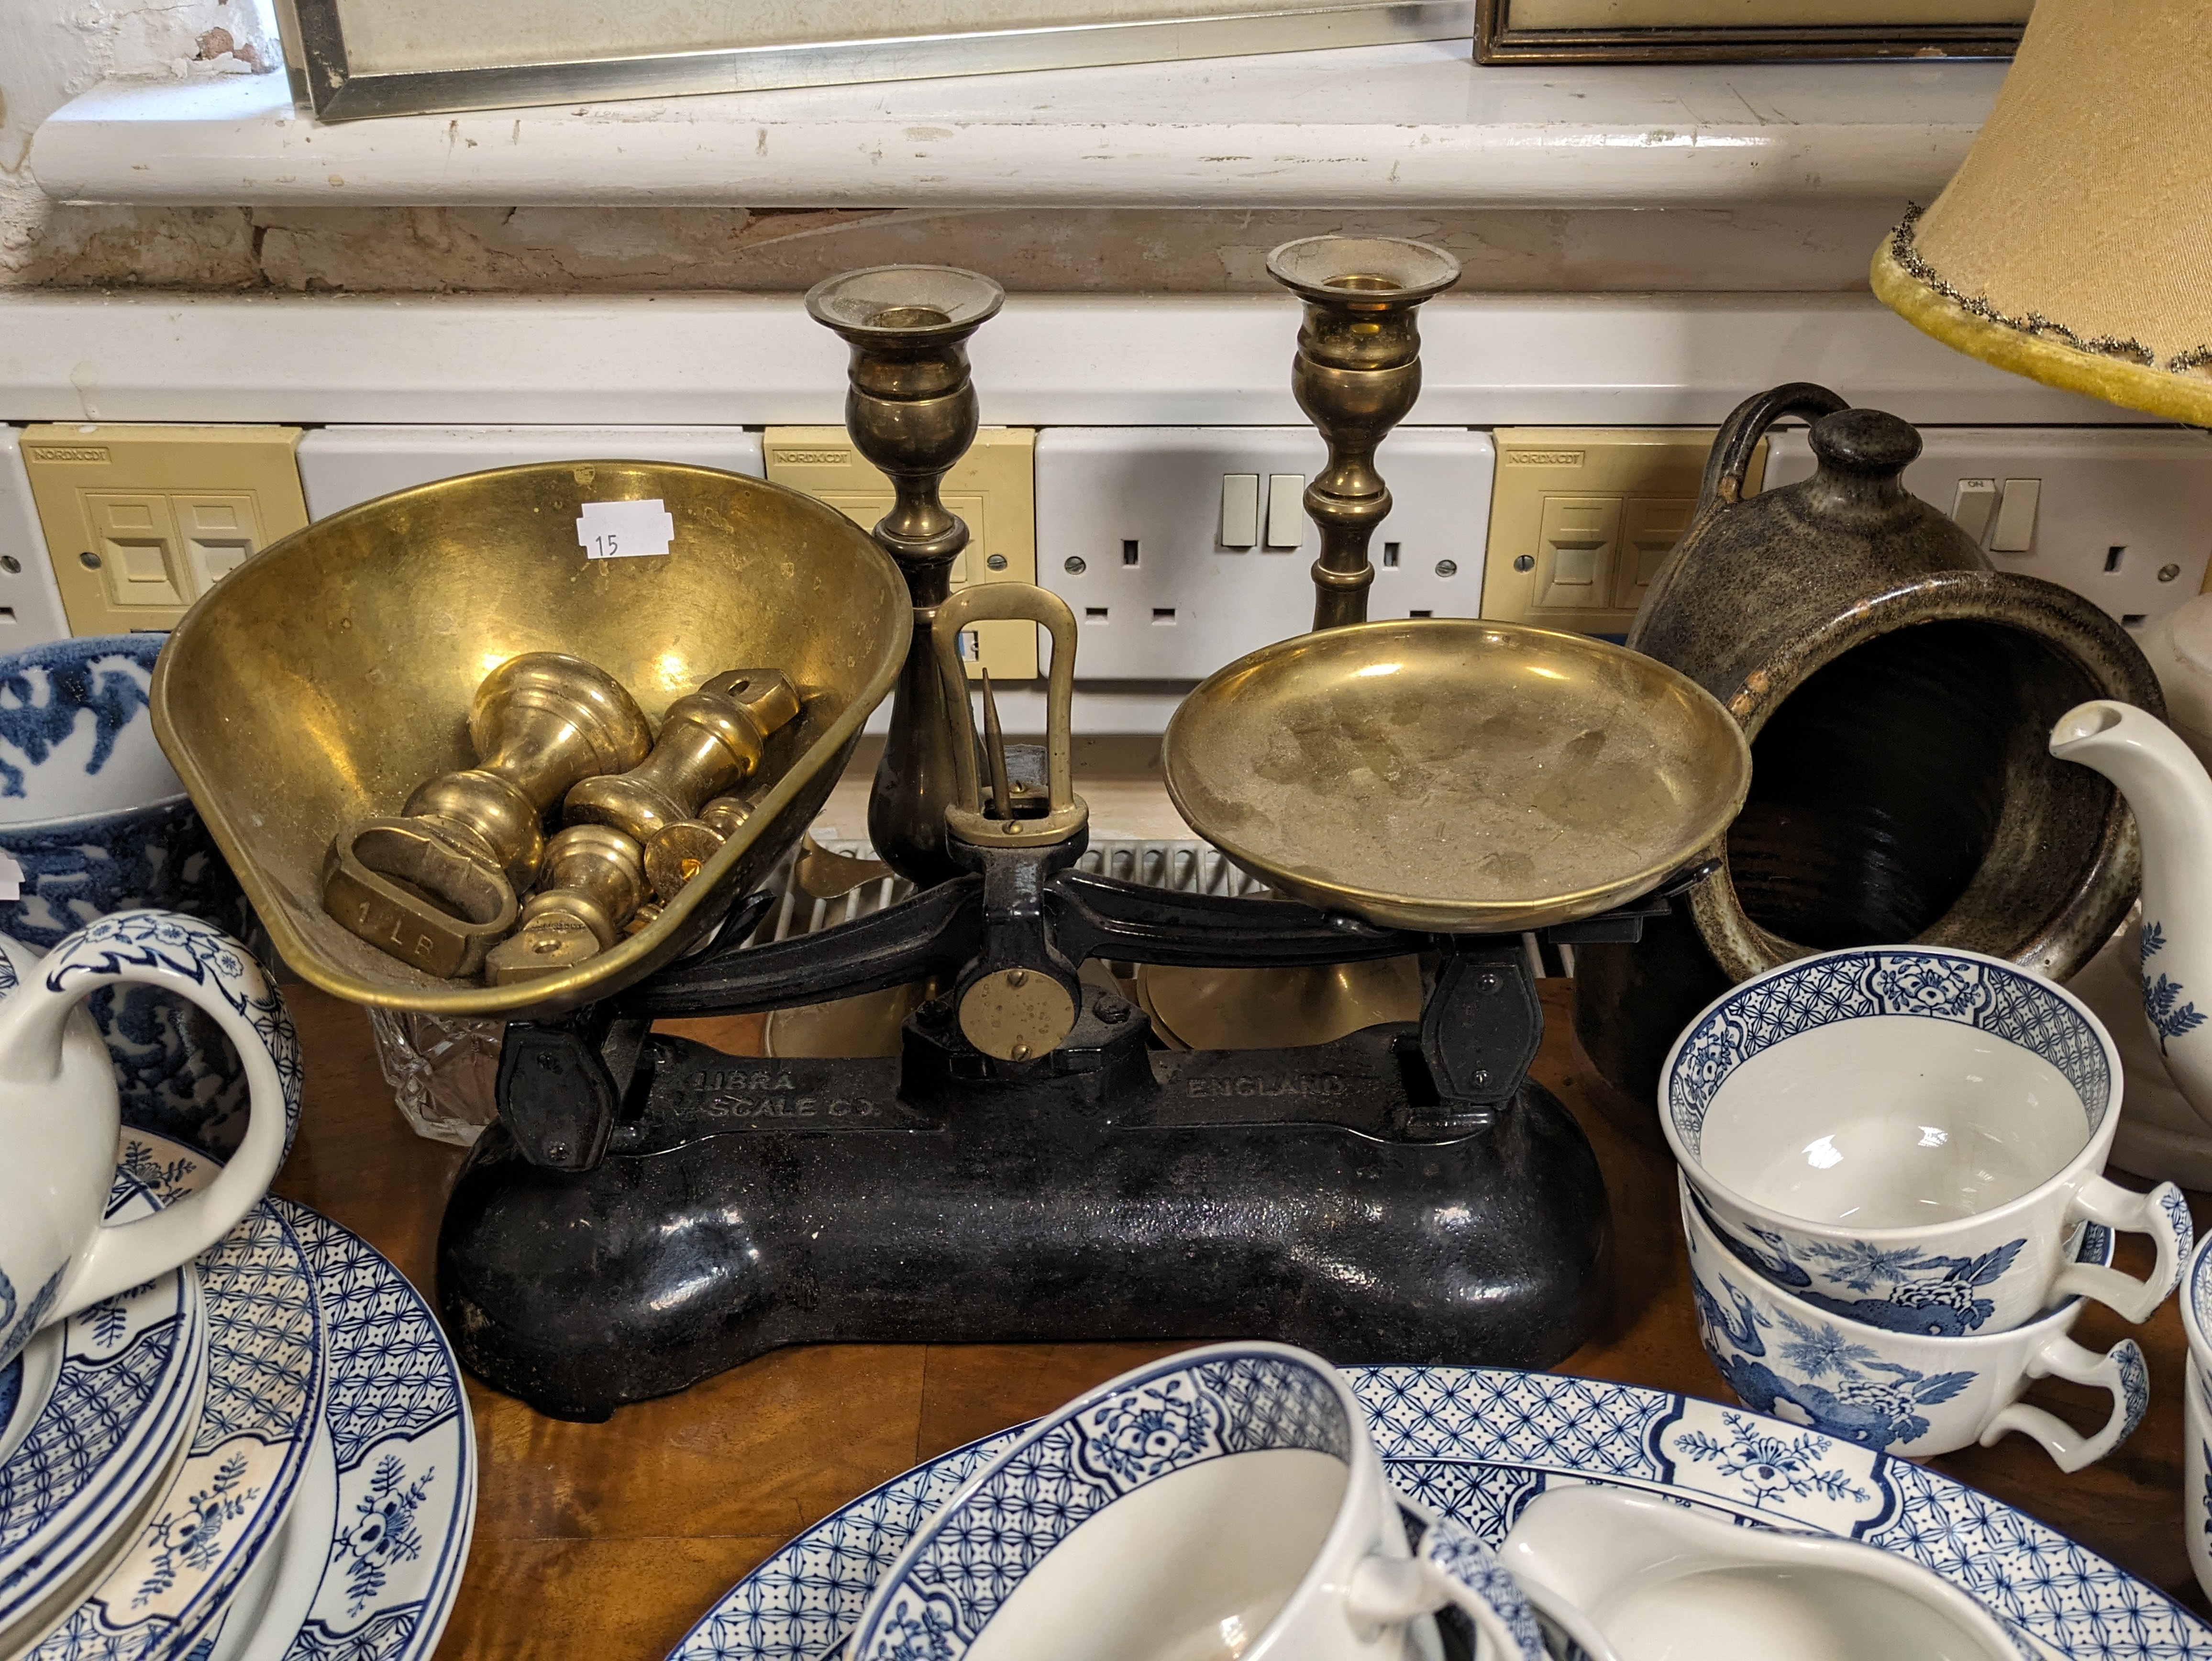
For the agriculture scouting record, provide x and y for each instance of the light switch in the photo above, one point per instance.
(1579, 539)
(1240, 509)
(2015, 531)
(1287, 515)
(1971, 508)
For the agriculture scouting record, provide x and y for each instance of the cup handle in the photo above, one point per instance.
(2163, 1214)
(1451, 1566)
(206, 966)
(2121, 1370)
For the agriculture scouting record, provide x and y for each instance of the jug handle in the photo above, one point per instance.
(1739, 435)
(205, 966)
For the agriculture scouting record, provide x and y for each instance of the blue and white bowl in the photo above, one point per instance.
(1226, 1500)
(1912, 1138)
(1904, 1393)
(96, 821)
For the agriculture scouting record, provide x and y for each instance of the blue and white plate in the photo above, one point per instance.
(368, 1563)
(104, 1405)
(1478, 1444)
(263, 1402)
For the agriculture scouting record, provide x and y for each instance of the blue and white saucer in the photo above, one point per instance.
(1478, 1444)
(262, 1404)
(369, 1561)
(104, 1405)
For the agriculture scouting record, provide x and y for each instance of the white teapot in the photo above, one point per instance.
(59, 1121)
(2168, 788)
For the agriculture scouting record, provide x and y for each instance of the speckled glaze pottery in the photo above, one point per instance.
(97, 820)
(1897, 690)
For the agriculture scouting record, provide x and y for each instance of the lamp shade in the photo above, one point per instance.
(2074, 243)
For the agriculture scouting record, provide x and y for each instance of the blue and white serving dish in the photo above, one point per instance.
(369, 1562)
(103, 1408)
(94, 820)
(1913, 1137)
(1226, 1500)
(1477, 1444)
(263, 1405)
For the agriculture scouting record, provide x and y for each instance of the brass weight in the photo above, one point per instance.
(677, 851)
(595, 881)
(437, 885)
(595, 875)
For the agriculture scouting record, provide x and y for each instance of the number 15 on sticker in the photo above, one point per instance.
(625, 530)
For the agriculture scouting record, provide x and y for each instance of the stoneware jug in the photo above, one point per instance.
(1897, 691)
(2171, 796)
(59, 1118)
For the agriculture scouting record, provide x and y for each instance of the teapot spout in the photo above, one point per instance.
(2170, 795)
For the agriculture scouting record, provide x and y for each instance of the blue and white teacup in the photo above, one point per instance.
(1224, 1501)
(96, 822)
(1906, 1393)
(1913, 1137)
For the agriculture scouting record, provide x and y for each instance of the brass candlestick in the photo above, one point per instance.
(911, 410)
(437, 885)
(1356, 373)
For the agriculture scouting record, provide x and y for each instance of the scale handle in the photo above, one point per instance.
(1065, 813)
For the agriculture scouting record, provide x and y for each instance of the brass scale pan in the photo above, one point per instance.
(1446, 775)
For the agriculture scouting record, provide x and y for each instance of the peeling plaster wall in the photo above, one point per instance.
(51, 50)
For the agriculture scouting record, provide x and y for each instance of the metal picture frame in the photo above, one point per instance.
(1500, 38)
(327, 85)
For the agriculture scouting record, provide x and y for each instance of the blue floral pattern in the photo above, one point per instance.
(406, 1457)
(128, 1373)
(1994, 998)
(1477, 1443)
(264, 1397)
(1463, 1556)
(1901, 1288)
(1816, 1372)
(2169, 1016)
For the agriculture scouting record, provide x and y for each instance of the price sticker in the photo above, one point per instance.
(625, 530)
(11, 879)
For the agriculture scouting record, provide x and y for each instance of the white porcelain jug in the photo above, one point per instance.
(59, 1118)
(2171, 796)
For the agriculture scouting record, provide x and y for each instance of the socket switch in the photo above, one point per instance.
(1583, 518)
(1136, 531)
(141, 521)
(2117, 514)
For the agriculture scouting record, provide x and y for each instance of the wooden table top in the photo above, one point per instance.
(610, 1540)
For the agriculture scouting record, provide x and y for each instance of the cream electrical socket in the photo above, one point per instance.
(1582, 517)
(140, 521)
(993, 487)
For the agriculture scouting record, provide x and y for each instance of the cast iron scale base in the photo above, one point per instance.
(649, 1211)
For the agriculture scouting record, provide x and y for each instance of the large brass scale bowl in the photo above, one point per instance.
(325, 679)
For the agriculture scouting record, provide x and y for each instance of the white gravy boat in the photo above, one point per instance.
(1626, 1576)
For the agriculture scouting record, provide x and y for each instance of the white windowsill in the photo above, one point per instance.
(1409, 126)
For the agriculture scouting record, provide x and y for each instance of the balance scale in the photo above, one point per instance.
(1034, 1165)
